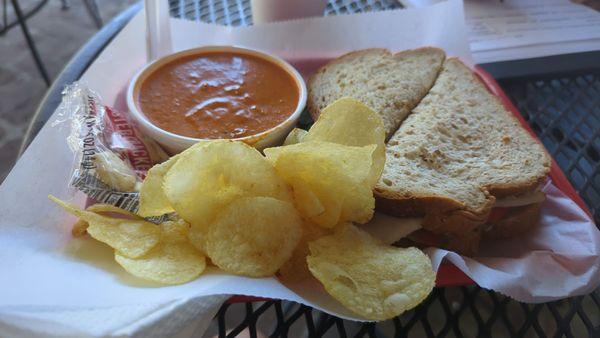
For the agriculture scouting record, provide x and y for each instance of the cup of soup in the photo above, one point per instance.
(217, 92)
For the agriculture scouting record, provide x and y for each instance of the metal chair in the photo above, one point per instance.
(21, 21)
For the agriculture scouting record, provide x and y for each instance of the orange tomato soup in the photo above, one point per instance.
(218, 95)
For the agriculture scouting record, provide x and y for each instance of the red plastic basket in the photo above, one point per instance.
(448, 274)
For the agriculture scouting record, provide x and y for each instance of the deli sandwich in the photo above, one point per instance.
(454, 157)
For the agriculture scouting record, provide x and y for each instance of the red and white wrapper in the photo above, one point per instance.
(111, 156)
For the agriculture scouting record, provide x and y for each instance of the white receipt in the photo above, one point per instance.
(494, 25)
(520, 29)
(500, 30)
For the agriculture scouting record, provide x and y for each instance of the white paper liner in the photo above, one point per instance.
(44, 270)
(558, 259)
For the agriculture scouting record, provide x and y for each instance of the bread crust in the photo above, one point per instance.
(523, 188)
(455, 222)
(518, 221)
(465, 244)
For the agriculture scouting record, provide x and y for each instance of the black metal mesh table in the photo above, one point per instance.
(238, 12)
(563, 110)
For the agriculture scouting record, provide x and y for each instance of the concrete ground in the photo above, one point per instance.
(58, 34)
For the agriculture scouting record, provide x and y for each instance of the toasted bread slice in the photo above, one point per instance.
(466, 244)
(457, 151)
(390, 84)
(517, 221)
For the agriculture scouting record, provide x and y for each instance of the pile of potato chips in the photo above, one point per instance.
(289, 212)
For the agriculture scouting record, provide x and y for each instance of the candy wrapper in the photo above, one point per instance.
(111, 156)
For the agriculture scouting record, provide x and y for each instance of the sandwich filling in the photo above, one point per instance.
(520, 200)
(511, 216)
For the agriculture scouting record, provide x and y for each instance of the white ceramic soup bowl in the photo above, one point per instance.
(175, 143)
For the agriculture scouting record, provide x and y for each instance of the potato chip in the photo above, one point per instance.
(80, 227)
(296, 269)
(113, 171)
(254, 236)
(153, 201)
(197, 236)
(157, 154)
(337, 175)
(131, 237)
(101, 208)
(349, 122)
(206, 179)
(370, 278)
(307, 201)
(295, 136)
(173, 261)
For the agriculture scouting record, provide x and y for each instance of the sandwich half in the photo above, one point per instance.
(459, 155)
(390, 84)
